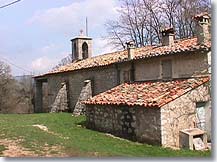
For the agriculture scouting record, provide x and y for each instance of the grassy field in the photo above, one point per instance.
(66, 137)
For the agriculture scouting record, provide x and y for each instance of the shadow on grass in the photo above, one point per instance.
(82, 124)
(2, 148)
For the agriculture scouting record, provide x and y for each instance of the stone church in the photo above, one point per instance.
(145, 94)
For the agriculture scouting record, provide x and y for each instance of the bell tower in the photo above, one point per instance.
(81, 47)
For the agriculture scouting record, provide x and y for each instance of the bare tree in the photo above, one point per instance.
(64, 61)
(183, 14)
(5, 80)
(15, 96)
(130, 26)
(142, 20)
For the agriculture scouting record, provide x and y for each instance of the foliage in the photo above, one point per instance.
(142, 20)
(15, 96)
(75, 140)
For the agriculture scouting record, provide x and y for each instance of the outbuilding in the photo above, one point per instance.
(152, 112)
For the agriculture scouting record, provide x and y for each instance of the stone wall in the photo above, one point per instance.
(181, 114)
(148, 69)
(190, 65)
(37, 96)
(61, 102)
(125, 67)
(148, 125)
(134, 123)
(102, 79)
(45, 97)
(185, 65)
(85, 94)
(54, 85)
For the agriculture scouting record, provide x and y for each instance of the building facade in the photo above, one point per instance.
(89, 76)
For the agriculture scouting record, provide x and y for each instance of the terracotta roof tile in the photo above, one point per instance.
(147, 94)
(140, 53)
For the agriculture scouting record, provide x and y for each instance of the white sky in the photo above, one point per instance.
(35, 34)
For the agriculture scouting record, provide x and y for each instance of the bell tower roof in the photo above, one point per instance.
(82, 36)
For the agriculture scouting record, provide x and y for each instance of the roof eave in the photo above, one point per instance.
(205, 49)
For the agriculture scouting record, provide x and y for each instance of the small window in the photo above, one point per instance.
(166, 69)
(126, 76)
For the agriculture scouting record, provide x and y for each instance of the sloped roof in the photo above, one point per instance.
(140, 53)
(147, 94)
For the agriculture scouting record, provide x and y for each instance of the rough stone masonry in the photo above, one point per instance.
(61, 101)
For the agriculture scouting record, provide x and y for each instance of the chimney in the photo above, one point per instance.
(203, 27)
(168, 35)
(130, 49)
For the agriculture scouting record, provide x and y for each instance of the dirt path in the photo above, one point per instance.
(14, 149)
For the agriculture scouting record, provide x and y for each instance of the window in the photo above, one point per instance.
(201, 115)
(166, 69)
(126, 76)
(84, 50)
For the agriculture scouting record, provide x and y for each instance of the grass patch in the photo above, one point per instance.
(2, 148)
(66, 133)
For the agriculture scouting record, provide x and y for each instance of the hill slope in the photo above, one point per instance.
(61, 135)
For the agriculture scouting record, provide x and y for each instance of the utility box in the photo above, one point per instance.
(193, 139)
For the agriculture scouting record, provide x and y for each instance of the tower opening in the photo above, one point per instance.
(84, 50)
(75, 51)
